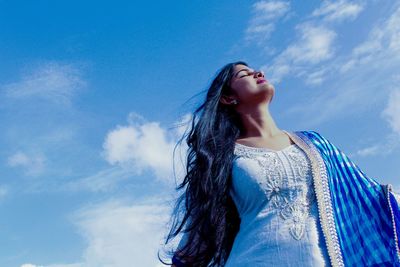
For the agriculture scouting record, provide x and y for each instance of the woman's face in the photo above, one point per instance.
(250, 86)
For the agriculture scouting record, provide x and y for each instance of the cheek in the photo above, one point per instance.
(246, 89)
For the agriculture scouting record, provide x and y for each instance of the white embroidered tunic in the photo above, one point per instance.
(274, 194)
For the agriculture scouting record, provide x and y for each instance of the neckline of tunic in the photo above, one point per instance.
(264, 149)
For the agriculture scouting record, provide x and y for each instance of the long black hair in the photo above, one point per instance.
(210, 215)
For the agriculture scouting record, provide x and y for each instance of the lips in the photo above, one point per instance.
(261, 81)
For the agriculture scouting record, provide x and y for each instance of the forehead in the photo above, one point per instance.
(241, 66)
(238, 68)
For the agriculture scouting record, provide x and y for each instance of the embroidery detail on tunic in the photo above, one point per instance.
(291, 195)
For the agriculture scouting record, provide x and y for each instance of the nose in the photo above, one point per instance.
(259, 74)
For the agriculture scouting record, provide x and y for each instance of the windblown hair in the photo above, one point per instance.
(210, 215)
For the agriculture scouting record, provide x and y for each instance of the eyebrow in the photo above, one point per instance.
(239, 71)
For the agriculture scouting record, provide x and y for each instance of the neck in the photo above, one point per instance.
(258, 123)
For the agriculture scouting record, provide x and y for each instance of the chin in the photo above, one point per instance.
(270, 85)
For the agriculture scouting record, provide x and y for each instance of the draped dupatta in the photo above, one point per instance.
(360, 217)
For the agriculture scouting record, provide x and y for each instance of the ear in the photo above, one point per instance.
(227, 100)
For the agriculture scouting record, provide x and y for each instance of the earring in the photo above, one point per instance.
(234, 102)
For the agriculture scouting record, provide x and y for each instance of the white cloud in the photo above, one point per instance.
(372, 45)
(3, 191)
(103, 181)
(356, 83)
(134, 148)
(369, 151)
(385, 145)
(384, 38)
(316, 78)
(338, 10)
(262, 23)
(259, 33)
(393, 26)
(392, 111)
(53, 265)
(142, 145)
(120, 234)
(269, 10)
(32, 165)
(396, 189)
(51, 81)
(313, 45)
(349, 94)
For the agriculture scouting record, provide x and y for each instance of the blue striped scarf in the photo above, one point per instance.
(360, 217)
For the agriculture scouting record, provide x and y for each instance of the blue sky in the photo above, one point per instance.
(92, 94)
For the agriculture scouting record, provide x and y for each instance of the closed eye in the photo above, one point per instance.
(248, 74)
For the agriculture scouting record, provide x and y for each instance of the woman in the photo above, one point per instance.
(257, 195)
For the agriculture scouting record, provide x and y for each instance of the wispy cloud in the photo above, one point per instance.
(106, 180)
(265, 15)
(314, 45)
(338, 10)
(41, 127)
(52, 265)
(392, 111)
(119, 233)
(3, 191)
(396, 189)
(369, 151)
(352, 83)
(382, 40)
(50, 80)
(365, 82)
(32, 165)
(383, 146)
(316, 77)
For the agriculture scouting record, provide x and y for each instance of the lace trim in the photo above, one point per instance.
(249, 151)
(324, 202)
(389, 188)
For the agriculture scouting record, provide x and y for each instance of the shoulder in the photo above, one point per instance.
(318, 139)
(312, 134)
